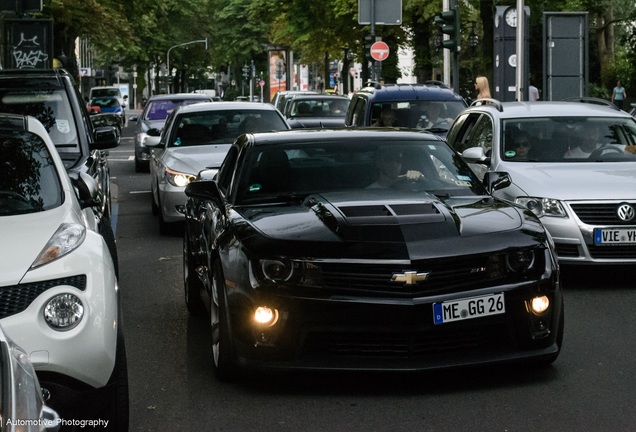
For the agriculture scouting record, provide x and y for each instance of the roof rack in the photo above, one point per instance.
(591, 100)
(374, 84)
(437, 83)
(488, 101)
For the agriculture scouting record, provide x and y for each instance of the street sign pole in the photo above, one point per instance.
(374, 70)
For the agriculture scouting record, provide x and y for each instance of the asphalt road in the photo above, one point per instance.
(591, 386)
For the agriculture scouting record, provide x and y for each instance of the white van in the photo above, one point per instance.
(109, 91)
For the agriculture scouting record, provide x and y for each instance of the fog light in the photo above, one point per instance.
(539, 305)
(266, 316)
(63, 312)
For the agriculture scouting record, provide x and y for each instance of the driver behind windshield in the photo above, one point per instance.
(388, 163)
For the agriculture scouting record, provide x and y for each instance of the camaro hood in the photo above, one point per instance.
(23, 238)
(575, 181)
(195, 158)
(375, 225)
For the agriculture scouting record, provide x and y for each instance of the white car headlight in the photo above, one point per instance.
(543, 206)
(66, 239)
(179, 179)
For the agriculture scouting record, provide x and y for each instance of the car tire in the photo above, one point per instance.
(223, 352)
(106, 230)
(192, 285)
(138, 167)
(153, 204)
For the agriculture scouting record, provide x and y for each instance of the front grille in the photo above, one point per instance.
(14, 299)
(567, 250)
(600, 214)
(444, 275)
(613, 252)
(410, 344)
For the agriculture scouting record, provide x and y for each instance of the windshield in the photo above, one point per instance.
(51, 107)
(159, 109)
(29, 181)
(319, 107)
(95, 92)
(436, 116)
(427, 167)
(569, 139)
(222, 126)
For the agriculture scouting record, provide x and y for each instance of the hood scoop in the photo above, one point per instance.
(382, 214)
(339, 213)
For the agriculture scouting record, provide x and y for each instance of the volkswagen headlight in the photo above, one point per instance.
(543, 206)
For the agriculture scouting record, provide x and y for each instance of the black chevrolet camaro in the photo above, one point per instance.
(368, 249)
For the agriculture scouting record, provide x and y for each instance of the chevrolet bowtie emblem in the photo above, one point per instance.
(409, 277)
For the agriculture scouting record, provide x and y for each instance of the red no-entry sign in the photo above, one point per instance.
(379, 51)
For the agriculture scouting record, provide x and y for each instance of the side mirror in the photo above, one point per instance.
(133, 118)
(153, 132)
(476, 155)
(206, 190)
(87, 191)
(496, 180)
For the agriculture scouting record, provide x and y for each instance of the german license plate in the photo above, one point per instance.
(614, 236)
(469, 308)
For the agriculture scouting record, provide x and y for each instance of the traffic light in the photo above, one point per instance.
(448, 22)
(368, 41)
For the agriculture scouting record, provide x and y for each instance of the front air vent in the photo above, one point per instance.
(414, 209)
(365, 211)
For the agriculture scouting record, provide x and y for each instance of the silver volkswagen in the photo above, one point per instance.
(572, 163)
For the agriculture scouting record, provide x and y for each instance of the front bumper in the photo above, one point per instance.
(346, 333)
(173, 200)
(85, 353)
(574, 238)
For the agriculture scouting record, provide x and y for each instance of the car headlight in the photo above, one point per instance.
(63, 312)
(66, 239)
(543, 206)
(179, 179)
(520, 261)
(276, 270)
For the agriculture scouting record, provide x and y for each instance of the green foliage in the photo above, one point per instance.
(141, 32)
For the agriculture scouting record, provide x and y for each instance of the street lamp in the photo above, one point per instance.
(180, 45)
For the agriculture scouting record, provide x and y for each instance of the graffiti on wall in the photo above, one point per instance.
(29, 43)
(28, 53)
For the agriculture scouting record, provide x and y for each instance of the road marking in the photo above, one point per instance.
(139, 192)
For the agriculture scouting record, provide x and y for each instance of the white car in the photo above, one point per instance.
(59, 294)
(573, 163)
(195, 137)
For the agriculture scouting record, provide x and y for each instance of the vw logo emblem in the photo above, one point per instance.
(625, 212)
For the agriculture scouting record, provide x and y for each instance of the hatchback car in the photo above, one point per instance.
(316, 111)
(196, 137)
(365, 250)
(432, 107)
(572, 163)
(154, 115)
(58, 286)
